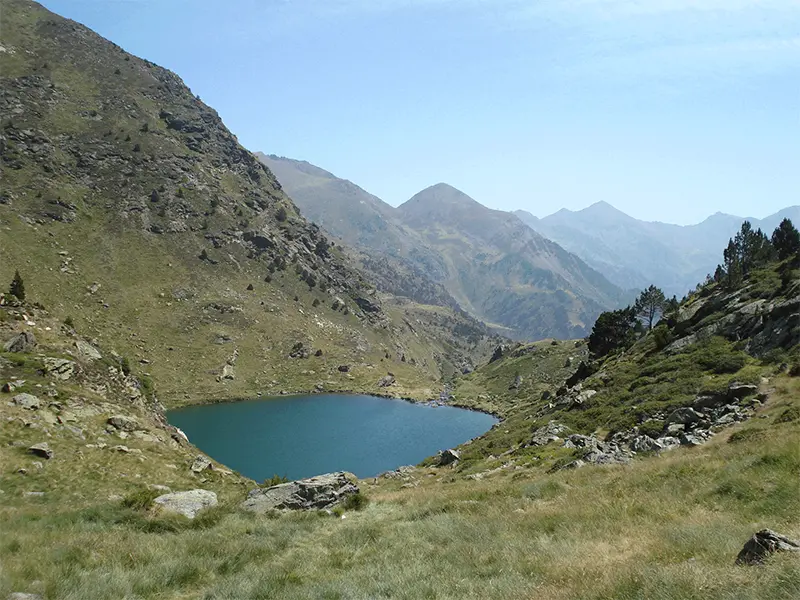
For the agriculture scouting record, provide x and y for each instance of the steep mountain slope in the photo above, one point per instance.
(391, 253)
(443, 239)
(503, 271)
(634, 253)
(128, 207)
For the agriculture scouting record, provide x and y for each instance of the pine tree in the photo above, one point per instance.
(612, 330)
(650, 305)
(719, 274)
(17, 287)
(786, 239)
(733, 266)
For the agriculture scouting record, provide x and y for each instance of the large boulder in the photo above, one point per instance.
(321, 492)
(200, 464)
(741, 390)
(187, 504)
(87, 351)
(42, 450)
(684, 416)
(762, 545)
(22, 342)
(28, 401)
(448, 457)
(386, 381)
(124, 423)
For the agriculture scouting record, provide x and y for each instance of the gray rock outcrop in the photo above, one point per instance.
(187, 504)
(321, 492)
(764, 543)
(595, 452)
(59, 368)
(22, 342)
(124, 423)
(549, 433)
(28, 401)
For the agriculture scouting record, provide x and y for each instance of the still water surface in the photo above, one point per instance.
(302, 436)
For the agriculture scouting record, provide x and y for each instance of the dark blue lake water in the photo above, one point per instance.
(302, 436)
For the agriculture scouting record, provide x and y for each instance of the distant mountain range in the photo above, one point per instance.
(634, 254)
(442, 245)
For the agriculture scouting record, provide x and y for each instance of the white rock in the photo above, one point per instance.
(188, 503)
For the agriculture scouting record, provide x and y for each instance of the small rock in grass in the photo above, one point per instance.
(762, 545)
(43, 449)
(188, 503)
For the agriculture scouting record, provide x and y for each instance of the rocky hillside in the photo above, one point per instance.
(485, 262)
(700, 371)
(634, 254)
(131, 210)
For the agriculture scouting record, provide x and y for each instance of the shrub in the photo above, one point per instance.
(275, 480)
(141, 499)
(17, 287)
(652, 429)
(790, 414)
(69, 322)
(357, 501)
(662, 337)
(280, 214)
(794, 371)
(125, 365)
(746, 435)
(721, 360)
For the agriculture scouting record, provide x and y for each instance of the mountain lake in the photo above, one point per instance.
(302, 436)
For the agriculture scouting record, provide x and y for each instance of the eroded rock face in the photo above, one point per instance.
(188, 503)
(60, 368)
(764, 543)
(22, 342)
(322, 492)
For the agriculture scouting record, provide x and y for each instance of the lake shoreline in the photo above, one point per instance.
(258, 396)
(275, 435)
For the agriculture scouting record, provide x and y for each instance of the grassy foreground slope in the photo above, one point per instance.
(664, 527)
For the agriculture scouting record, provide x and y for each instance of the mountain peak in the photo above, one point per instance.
(440, 197)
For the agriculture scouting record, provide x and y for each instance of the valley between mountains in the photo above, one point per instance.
(153, 262)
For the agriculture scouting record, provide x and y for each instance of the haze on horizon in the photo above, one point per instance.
(669, 110)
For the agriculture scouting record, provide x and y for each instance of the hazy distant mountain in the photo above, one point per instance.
(634, 253)
(505, 272)
(442, 246)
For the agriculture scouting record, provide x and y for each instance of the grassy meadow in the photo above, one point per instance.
(665, 527)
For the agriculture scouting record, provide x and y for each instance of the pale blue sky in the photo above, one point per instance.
(667, 109)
